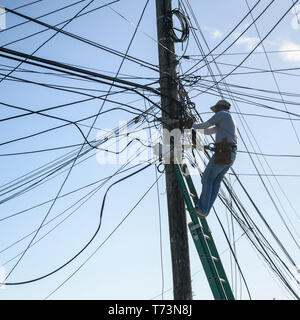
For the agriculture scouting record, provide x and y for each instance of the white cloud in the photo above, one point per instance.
(295, 21)
(290, 54)
(213, 32)
(249, 42)
(216, 34)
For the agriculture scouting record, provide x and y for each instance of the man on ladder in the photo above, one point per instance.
(223, 125)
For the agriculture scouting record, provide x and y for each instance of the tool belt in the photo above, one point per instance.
(223, 152)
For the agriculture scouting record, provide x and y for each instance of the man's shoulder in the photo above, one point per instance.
(223, 114)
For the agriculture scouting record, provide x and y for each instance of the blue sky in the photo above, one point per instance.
(128, 266)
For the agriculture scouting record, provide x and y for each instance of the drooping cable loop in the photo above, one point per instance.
(184, 30)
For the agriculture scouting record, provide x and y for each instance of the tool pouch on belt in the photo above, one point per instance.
(223, 158)
(223, 154)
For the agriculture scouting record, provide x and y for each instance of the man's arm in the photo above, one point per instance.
(209, 131)
(209, 123)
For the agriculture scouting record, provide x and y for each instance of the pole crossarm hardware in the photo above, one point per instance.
(203, 239)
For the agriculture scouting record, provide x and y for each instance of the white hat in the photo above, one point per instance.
(223, 103)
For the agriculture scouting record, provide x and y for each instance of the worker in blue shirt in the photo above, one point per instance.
(223, 126)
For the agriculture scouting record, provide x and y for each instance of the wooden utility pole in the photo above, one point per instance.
(176, 207)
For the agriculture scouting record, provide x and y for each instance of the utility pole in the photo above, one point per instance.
(176, 208)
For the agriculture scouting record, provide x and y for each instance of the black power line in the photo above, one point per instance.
(106, 239)
(91, 239)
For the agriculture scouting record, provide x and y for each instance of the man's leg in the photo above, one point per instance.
(216, 186)
(218, 180)
(209, 175)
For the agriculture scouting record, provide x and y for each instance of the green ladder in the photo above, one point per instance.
(203, 239)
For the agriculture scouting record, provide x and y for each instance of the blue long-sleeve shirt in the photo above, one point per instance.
(222, 124)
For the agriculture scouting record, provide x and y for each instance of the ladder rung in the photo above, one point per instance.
(217, 278)
(207, 256)
(193, 195)
(215, 258)
(222, 280)
(207, 237)
(198, 226)
(195, 226)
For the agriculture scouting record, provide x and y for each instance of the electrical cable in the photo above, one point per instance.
(89, 195)
(285, 282)
(273, 75)
(237, 38)
(64, 195)
(87, 244)
(242, 151)
(46, 174)
(255, 47)
(184, 26)
(128, 57)
(274, 191)
(243, 100)
(69, 172)
(82, 73)
(233, 254)
(58, 31)
(42, 16)
(24, 6)
(219, 221)
(291, 290)
(106, 239)
(159, 221)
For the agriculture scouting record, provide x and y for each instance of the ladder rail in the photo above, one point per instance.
(207, 261)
